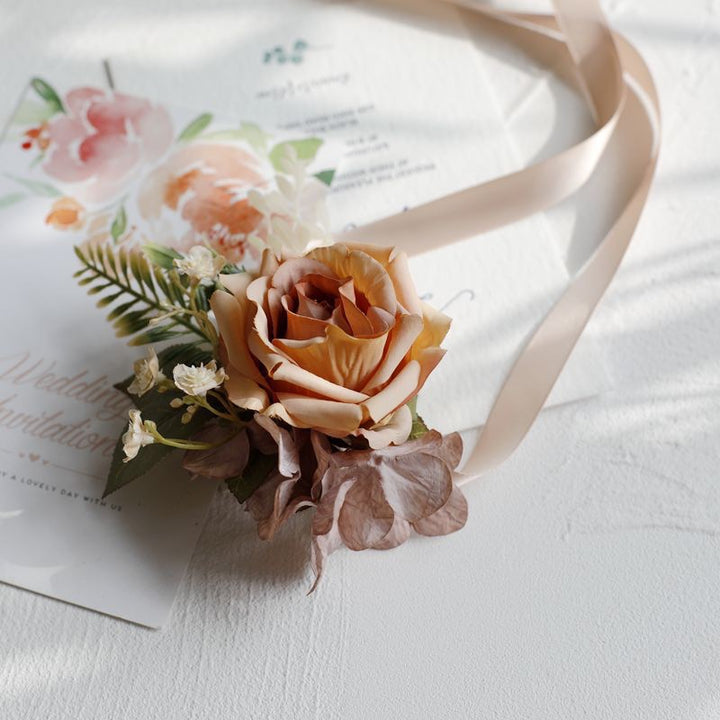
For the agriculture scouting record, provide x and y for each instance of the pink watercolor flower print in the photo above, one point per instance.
(102, 141)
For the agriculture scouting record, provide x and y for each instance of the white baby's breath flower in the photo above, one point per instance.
(197, 380)
(136, 436)
(294, 215)
(201, 264)
(147, 374)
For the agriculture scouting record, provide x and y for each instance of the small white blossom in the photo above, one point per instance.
(136, 436)
(197, 380)
(201, 264)
(295, 218)
(147, 374)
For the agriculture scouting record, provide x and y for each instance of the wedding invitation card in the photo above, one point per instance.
(389, 110)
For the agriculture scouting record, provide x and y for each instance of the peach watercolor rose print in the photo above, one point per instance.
(112, 166)
(206, 184)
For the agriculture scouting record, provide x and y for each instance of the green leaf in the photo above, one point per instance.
(119, 224)
(419, 428)
(195, 127)
(256, 472)
(35, 186)
(33, 113)
(11, 199)
(232, 269)
(185, 353)
(326, 176)
(154, 406)
(47, 93)
(255, 136)
(144, 292)
(161, 256)
(156, 335)
(305, 149)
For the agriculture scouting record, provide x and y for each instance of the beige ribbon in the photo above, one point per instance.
(622, 95)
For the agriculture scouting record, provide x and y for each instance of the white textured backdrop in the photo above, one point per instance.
(587, 581)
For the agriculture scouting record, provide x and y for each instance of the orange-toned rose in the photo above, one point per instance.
(337, 341)
(66, 214)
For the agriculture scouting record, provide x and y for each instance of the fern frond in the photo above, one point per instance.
(146, 295)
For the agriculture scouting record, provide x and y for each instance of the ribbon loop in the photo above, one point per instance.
(621, 93)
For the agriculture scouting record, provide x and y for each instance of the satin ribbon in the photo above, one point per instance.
(622, 96)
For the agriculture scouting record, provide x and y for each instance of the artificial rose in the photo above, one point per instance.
(337, 341)
(206, 184)
(102, 140)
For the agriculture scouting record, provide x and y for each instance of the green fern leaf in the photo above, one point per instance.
(146, 294)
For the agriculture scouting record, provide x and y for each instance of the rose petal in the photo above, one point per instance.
(402, 336)
(338, 357)
(335, 419)
(435, 328)
(381, 320)
(269, 263)
(278, 366)
(358, 322)
(294, 269)
(395, 430)
(231, 313)
(243, 392)
(398, 268)
(302, 327)
(400, 389)
(310, 308)
(289, 378)
(369, 276)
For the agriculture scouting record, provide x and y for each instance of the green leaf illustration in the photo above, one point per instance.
(11, 199)
(119, 224)
(36, 186)
(31, 112)
(248, 132)
(326, 176)
(48, 94)
(195, 127)
(254, 135)
(305, 149)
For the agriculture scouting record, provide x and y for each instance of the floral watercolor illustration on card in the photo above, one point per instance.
(114, 166)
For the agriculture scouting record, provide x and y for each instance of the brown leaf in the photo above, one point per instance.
(219, 463)
(372, 498)
(451, 517)
(365, 517)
